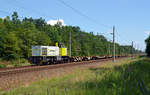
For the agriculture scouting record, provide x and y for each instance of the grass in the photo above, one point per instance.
(120, 78)
(19, 62)
(3, 65)
(13, 63)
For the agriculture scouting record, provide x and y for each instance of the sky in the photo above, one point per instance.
(130, 17)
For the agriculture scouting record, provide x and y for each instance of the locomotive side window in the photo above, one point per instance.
(44, 51)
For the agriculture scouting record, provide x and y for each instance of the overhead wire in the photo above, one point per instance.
(67, 5)
(82, 14)
(72, 8)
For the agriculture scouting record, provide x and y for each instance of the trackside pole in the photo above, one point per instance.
(114, 44)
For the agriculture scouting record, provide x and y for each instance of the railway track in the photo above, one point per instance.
(24, 69)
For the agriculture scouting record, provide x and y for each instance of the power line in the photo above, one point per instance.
(37, 12)
(22, 17)
(75, 10)
(82, 14)
(67, 5)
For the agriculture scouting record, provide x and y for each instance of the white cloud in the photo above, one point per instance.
(147, 32)
(53, 22)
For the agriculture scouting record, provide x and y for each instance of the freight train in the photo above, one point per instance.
(42, 55)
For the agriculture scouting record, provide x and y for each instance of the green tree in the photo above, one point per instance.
(18, 36)
(15, 19)
(147, 41)
(9, 44)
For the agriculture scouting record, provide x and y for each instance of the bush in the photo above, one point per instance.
(3, 65)
(22, 61)
(14, 63)
(18, 62)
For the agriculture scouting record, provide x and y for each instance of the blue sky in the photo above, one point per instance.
(131, 17)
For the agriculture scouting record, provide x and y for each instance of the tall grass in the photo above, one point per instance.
(107, 80)
(13, 63)
(19, 62)
(3, 65)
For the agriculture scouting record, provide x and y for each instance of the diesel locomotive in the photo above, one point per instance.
(49, 55)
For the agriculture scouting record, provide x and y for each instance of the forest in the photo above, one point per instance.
(17, 36)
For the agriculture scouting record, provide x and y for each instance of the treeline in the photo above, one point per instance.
(17, 36)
